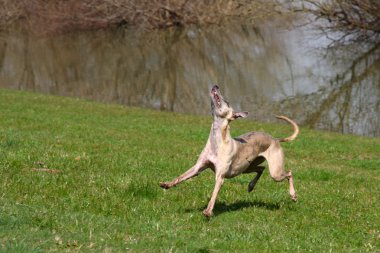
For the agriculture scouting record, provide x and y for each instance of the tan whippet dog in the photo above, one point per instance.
(229, 157)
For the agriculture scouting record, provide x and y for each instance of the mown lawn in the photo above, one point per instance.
(109, 160)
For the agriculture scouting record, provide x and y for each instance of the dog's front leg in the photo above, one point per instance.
(192, 172)
(218, 184)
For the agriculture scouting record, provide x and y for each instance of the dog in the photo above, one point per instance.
(229, 157)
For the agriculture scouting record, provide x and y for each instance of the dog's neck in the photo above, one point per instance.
(219, 133)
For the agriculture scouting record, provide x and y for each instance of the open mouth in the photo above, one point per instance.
(216, 97)
(217, 100)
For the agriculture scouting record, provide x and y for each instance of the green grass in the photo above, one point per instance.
(107, 199)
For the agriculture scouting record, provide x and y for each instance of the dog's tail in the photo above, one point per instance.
(296, 130)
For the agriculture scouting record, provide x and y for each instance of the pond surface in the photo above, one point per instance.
(266, 70)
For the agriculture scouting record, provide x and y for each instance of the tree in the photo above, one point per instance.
(346, 21)
(57, 16)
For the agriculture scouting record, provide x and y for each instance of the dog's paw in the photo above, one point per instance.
(294, 198)
(207, 213)
(164, 185)
(251, 187)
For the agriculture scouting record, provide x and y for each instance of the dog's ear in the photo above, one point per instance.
(237, 115)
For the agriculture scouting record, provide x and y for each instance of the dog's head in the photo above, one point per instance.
(220, 108)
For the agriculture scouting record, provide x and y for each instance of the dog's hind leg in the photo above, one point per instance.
(292, 191)
(259, 170)
(275, 158)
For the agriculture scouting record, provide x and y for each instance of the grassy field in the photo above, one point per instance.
(108, 161)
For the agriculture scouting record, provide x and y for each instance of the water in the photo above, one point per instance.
(267, 70)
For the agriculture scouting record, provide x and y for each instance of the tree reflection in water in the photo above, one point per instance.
(266, 70)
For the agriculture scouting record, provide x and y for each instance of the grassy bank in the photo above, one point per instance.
(102, 193)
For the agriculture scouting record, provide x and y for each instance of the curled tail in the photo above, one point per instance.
(296, 130)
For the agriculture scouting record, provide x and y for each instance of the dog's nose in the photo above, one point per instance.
(215, 88)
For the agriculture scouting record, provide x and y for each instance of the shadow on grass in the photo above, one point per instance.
(221, 207)
(144, 189)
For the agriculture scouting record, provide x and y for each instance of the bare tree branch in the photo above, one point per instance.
(346, 21)
(57, 16)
